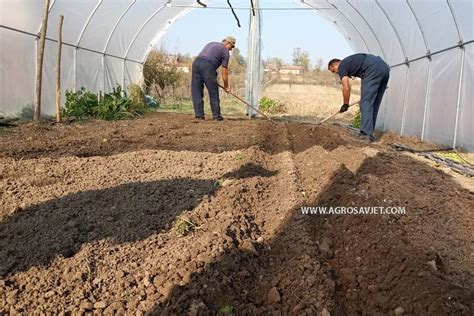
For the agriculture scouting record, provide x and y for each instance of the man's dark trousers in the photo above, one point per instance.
(204, 73)
(374, 83)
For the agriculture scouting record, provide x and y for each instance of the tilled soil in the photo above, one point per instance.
(90, 215)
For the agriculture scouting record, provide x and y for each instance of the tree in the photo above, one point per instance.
(319, 64)
(157, 72)
(184, 59)
(275, 62)
(237, 62)
(301, 58)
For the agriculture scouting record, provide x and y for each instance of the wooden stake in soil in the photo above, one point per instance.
(58, 69)
(39, 62)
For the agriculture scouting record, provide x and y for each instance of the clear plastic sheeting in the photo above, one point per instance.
(254, 60)
(105, 43)
(394, 99)
(465, 128)
(17, 68)
(428, 44)
(415, 99)
(442, 107)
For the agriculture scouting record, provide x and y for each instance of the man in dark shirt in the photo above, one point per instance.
(374, 73)
(204, 72)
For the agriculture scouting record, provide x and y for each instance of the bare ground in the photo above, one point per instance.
(89, 215)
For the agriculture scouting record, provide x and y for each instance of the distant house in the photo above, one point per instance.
(270, 69)
(291, 70)
(171, 59)
(182, 68)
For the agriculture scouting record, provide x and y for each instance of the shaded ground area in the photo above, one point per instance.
(89, 216)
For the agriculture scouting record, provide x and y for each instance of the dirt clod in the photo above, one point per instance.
(273, 296)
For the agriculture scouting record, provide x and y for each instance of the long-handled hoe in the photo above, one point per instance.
(332, 115)
(249, 105)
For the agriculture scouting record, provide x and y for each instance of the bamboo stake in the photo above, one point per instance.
(58, 69)
(39, 62)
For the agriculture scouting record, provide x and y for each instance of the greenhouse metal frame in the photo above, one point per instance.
(427, 43)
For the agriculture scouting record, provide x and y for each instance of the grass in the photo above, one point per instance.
(217, 183)
(184, 226)
(452, 155)
(226, 310)
(302, 100)
(3, 130)
(357, 120)
(239, 156)
(229, 107)
(310, 100)
(271, 106)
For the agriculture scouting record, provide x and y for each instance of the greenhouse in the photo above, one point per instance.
(132, 184)
(428, 45)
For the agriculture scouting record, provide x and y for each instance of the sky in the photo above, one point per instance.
(282, 30)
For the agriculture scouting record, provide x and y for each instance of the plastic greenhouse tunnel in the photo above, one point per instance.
(427, 44)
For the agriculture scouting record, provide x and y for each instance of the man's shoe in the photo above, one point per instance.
(367, 138)
(199, 118)
(219, 118)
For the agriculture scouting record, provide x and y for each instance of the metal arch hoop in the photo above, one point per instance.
(80, 38)
(393, 28)
(456, 23)
(132, 42)
(337, 25)
(350, 22)
(109, 38)
(370, 27)
(419, 25)
(406, 59)
(49, 10)
(461, 72)
(428, 82)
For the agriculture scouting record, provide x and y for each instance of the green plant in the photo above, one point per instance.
(3, 130)
(159, 72)
(226, 310)
(239, 156)
(137, 96)
(177, 105)
(452, 155)
(271, 106)
(80, 104)
(357, 120)
(114, 106)
(217, 183)
(26, 114)
(184, 226)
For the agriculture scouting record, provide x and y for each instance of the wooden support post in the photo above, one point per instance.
(39, 62)
(58, 69)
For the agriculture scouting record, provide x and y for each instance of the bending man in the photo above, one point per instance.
(374, 73)
(204, 72)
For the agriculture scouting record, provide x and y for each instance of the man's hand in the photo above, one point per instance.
(344, 108)
(227, 89)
